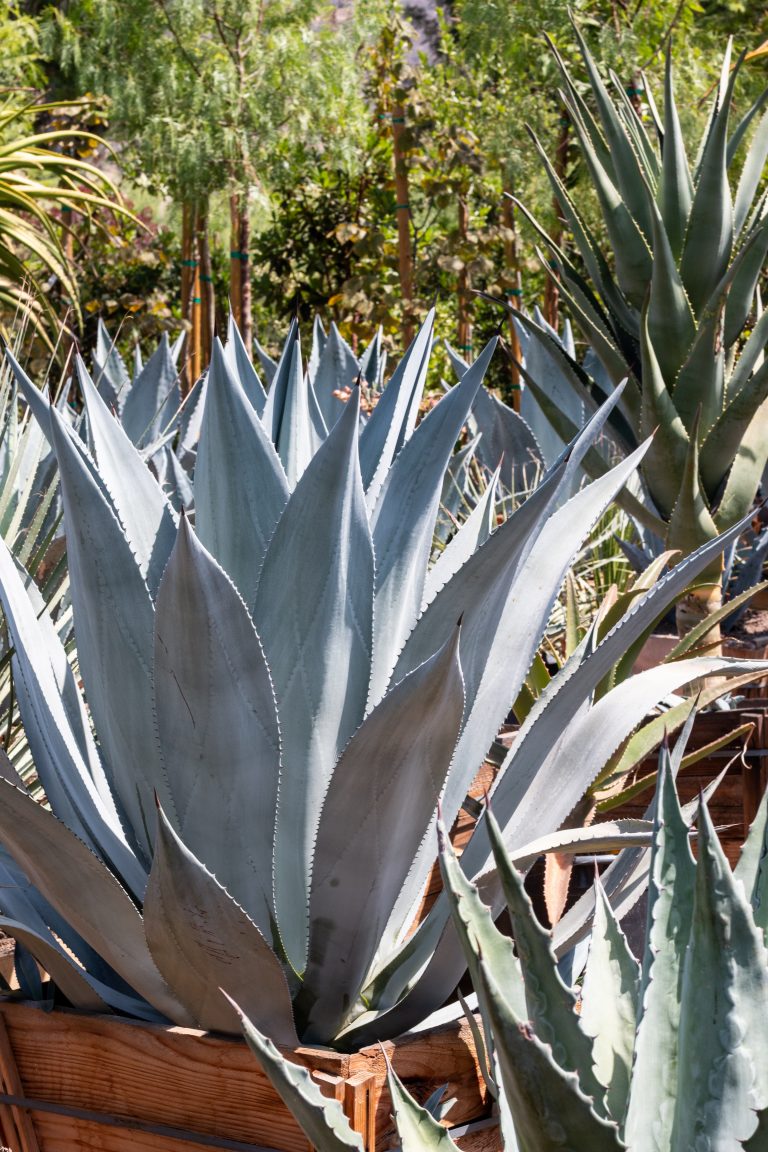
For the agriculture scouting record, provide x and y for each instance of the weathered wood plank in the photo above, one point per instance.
(94, 1082)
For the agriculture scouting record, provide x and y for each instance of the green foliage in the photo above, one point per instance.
(209, 96)
(39, 173)
(20, 54)
(128, 272)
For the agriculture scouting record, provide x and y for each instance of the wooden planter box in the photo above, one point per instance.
(734, 804)
(75, 1082)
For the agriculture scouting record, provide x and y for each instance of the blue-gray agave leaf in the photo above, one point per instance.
(302, 428)
(145, 514)
(507, 440)
(214, 705)
(319, 340)
(337, 369)
(373, 360)
(65, 757)
(470, 535)
(22, 902)
(240, 363)
(404, 520)
(268, 365)
(432, 945)
(475, 583)
(240, 485)
(272, 415)
(314, 614)
(389, 424)
(498, 639)
(110, 372)
(153, 402)
(202, 941)
(85, 892)
(114, 627)
(172, 479)
(548, 748)
(190, 422)
(477, 934)
(66, 974)
(752, 868)
(366, 839)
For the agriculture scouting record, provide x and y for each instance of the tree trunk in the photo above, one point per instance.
(196, 366)
(234, 259)
(403, 213)
(246, 305)
(514, 296)
(551, 291)
(188, 268)
(208, 301)
(463, 287)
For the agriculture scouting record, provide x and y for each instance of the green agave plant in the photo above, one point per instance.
(664, 1056)
(669, 303)
(278, 697)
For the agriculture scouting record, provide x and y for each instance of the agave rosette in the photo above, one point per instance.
(278, 697)
(670, 302)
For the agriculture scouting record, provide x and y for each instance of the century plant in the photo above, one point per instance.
(278, 697)
(662, 1056)
(668, 302)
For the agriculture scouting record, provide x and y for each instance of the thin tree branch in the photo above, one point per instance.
(189, 59)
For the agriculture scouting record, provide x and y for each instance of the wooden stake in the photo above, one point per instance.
(246, 307)
(188, 265)
(234, 260)
(208, 301)
(197, 325)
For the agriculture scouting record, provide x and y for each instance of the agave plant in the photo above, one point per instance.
(669, 302)
(668, 1055)
(279, 697)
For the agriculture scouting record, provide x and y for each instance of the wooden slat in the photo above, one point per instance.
(358, 1106)
(95, 1082)
(12, 1085)
(181, 1078)
(424, 1061)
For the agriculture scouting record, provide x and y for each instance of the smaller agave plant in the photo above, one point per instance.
(275, 699)
(671, 303)
(666, 1055)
